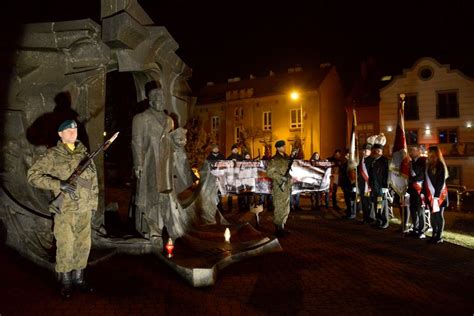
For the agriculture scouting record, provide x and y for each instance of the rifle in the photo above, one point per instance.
(293, 156)
(57, 202)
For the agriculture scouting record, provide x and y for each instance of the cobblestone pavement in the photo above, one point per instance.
(329, 266)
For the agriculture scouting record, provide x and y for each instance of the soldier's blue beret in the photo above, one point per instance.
(67, 124)
(279, 143)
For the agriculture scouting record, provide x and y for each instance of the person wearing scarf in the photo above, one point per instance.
(436, 191)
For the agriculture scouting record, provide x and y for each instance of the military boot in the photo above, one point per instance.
(66, 284)
(79, 281)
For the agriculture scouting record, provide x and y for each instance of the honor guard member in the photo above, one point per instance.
(277, 171)
(363, 184)
(415, 185)
(72, 226)
(378, 181)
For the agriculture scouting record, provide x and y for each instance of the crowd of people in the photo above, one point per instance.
(365, 186)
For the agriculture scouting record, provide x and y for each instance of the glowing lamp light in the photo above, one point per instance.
(105, 134)
(469, 124)
(227, 234)
(389, 128)
(427, 130)
(169, 248)
(294, 95)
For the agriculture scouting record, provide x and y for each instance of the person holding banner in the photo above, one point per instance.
(277, 170)
(415, 186)
(363, 184)
(378, 180)
(235, 156)
(436, 191)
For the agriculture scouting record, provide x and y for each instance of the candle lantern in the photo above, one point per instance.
(169, 248)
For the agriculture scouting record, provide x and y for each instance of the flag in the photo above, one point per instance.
(353, 153)
(400, 163)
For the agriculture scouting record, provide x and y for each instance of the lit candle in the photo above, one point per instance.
(227, 234)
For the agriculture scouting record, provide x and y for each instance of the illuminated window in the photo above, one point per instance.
(267, 121)
(238, 130)
(295, 118)
(239, 113)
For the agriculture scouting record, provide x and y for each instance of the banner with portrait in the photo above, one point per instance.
(241, 177)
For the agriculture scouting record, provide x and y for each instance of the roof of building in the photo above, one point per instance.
(274, 84)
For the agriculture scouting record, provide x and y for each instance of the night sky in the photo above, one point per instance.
(223, 39)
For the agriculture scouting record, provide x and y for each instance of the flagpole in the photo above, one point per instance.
(402, 198)
(356, 161)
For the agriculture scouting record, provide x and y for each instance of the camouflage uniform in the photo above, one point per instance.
(276, 170)
(72, 228)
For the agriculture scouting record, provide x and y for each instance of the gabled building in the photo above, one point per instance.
(439, 109)
(260, 110)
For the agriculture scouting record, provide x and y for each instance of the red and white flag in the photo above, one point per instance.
(400, 163)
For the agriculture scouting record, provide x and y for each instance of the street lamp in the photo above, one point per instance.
(295, 96)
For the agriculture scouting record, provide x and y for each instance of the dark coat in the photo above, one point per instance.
(418, 167)
(234, 157)
(213, 157)
(378, 174)
(360, 179)
(437, 177)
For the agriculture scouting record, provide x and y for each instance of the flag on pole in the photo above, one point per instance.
(353, 153)
(399, 169)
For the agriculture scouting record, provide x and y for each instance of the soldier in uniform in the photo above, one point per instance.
(336, 160)
(378, 181)
(276, 170)
(363, 184)
(72, 226)
(415, 185)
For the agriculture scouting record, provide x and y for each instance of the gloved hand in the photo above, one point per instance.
(384, 190)
(138, 172)
(66, 187)
(354, 189)
(283, 179)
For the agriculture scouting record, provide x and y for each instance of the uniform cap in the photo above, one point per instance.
(67, 124)
(279, 143)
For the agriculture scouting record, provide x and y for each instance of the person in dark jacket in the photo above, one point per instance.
(235, 156)
(348, 186)
(214, 156)
(415, 185)
(363, 184)
(378, 180)
(436, 191)
(316, 196)
(336, 160)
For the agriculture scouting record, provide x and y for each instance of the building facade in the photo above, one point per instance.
(439, 110)
(259, 111)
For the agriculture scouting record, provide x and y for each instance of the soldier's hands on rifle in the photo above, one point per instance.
(66, 187)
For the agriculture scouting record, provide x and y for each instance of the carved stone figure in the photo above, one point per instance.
(151, 148)
(182, 173)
